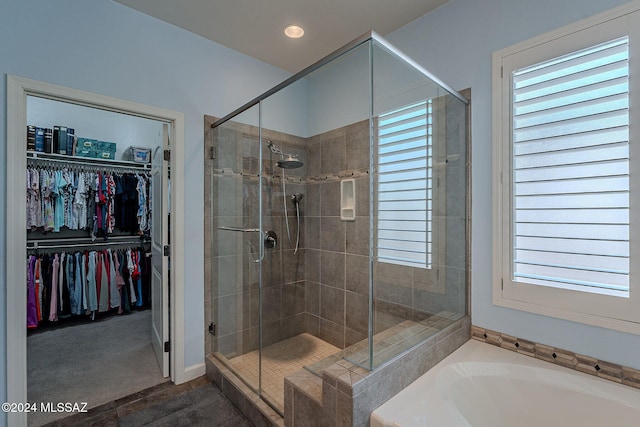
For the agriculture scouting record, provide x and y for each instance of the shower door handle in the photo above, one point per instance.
(243, 230)
(269, 239)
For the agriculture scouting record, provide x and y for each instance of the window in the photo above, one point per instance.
(405, 197)
(563, 172)
(570, 159)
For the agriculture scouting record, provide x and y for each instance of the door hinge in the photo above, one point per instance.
(502, 284)
(166, 250)
(167, 346)
(212, 328)
(167, 155)
(501, 71)
(212, 153)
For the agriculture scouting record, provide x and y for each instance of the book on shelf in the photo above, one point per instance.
(39, 139)
(60, 139)
(48, 140)
(71, 140)
(31, 137)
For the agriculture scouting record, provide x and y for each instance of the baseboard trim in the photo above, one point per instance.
(192, 372)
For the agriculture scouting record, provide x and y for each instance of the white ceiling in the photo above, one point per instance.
(255, 27)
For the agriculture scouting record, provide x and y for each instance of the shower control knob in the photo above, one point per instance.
(270, 239)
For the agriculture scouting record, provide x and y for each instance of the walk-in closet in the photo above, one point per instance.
(95, 184)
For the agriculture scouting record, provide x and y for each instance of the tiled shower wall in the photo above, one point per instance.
(283, 271)
(304, 292)
(337, 269)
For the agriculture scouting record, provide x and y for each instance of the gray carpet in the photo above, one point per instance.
(94, 363)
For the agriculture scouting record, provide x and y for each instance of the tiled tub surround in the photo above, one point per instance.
(347, 394)
(557, 356)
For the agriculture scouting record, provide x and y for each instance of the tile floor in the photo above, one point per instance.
(195, 403)
(278, 361)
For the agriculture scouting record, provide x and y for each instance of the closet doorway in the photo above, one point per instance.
(126, 146)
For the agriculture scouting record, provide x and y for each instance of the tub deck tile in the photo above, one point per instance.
(566, 358)
(493, 338)
(610, 371)
(526, 347)
(631, 377)
(508, 342)
(545, 352)
(477, 333)
(586, 364)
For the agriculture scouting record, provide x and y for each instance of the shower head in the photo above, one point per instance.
(290, 162)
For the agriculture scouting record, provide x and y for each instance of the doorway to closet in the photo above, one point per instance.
(96, 234)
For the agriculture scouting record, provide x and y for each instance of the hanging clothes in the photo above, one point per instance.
(66, 284)
(114, 292)
(32, 314)
(53, 301)
(100, 202)
(46, 195)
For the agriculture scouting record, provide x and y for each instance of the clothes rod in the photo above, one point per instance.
(86, 240)
(37, 246)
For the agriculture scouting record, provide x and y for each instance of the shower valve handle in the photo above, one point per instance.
(270, 239)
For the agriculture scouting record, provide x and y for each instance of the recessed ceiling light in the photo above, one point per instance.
(293, 31)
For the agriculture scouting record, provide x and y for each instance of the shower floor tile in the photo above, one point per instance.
(279, 360)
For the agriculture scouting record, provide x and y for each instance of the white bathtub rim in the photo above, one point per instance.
(441, 409)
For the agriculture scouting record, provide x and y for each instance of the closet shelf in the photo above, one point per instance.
(87, 161)
(76, 242)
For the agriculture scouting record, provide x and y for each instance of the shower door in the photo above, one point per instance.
(257, 254)
(236, 245)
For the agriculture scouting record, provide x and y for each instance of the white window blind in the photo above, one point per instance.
(405, 186)
(570, 165)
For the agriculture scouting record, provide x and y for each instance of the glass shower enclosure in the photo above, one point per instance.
(337, 217)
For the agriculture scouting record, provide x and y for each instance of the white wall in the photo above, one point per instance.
(455, 43)
(103, 47)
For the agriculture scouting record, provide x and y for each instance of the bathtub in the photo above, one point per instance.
(482, 385)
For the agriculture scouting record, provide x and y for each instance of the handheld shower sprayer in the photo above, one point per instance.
(296, 199)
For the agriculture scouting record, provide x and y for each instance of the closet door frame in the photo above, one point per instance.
(18, 88)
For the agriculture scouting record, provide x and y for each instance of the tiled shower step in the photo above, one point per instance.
(390, 342)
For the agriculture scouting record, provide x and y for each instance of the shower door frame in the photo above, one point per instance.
(248, 230)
